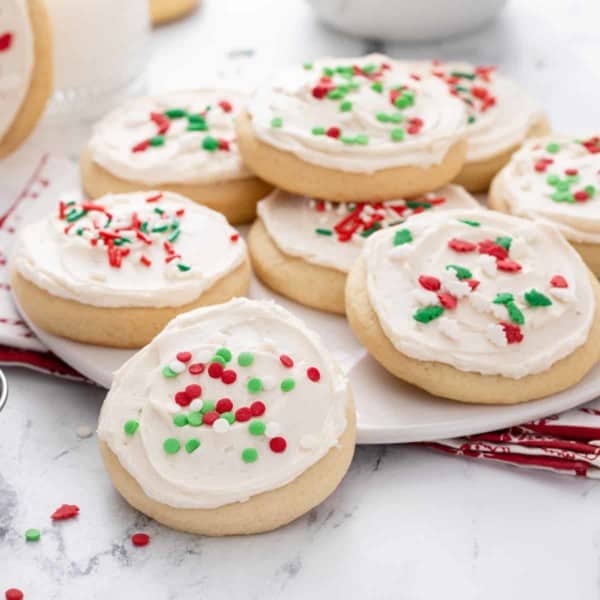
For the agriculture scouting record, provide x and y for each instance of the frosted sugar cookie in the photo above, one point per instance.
(233, 420)
(353, 129)
(476, 306)
(303, 248)
(114, 272)
(183, 142)
(556, 180)
(25, 69)
(500, 116)
(163, 11)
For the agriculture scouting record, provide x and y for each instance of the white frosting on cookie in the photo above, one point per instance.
(556, 179)
(16, 59)
(362, 119)
(140, 249)
(499, 112)
(183, 137)
(517, 298)
(253, 437)
(332, 235)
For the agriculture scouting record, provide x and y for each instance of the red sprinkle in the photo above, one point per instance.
(145, 260)
(13, 594)
(193, 390)
(215, 370)
(581, 196)
(461, 245)
(313, 374)
(65, 511)
(228, 376)
(490, 247)
(473, 283)
(278, 444)
(225, 106)
(6, 41)
(140, 539)
(182, 398)
(184, 356)
(571, 171)
(286, 361)
(210, 417)
(257, 408)
(433, 284)
(224, 405)
(196, 368)
(243, 414)
(334, 132)
(234, 237)
(558, 281)
(512, 332)
(447, 300)
(508, 265)
(154, 198)
(223, 144)
(141, 146)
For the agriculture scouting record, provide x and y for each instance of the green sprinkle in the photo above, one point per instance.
(336, 94)
(563, 186)
(375, 227)
(218, 359)
(552, 179)
(245, 359)
(225, 353)
(307, 66)
(192, 445)
(276, 122)
(322, 231)
(361, 139)
(461, 272)
(369, 68)
(255, 385)
(207, 406)
(249, 455)
(168, 372)
(535, 298)
(396, 118)
(504, 241)
(287, 385)
(471, 119)
(75, 215)
(183, 267)
(503, 298)
(470, 223)
(229, 417)
(171, 446)
(131, 426)
(157, 140)
(180, 420)
(175, 113)
(160, 228)
(328, 71)
(318, 130)
(377, 87)
(516, 316)
(463, 75)
(346, 106)
(197, 119)
(401, 102)
(33, 535)
(553, 148)
(194, 419)
(564, 196)
(397, 135)
(428, 313)
(210, 144)
(159, 211)
(402, 236)
(417, 204)
(382, 117)
(591, 190)
(197, 126)
(257, 427)
(347, 140)
(144, 227)
(174, 236)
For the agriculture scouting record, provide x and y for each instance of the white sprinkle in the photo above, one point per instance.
(565, 295)
(308, 441)
(499, 310)
(518, 248)
(460, 289)
(196, 405)
(268, 382)
(479, 302)
(400, 252)
(312, 203)
(496, 335)
(177, 366)
(424, 297)
(272, 429)
(328, 206)
(268, 345)
(449, 327)
(488, 265)
(84, 431)
(221, 425)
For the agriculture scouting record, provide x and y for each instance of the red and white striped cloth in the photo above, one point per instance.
(566, 443)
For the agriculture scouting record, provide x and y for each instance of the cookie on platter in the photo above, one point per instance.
(25, 69)
(556, 180)
(183, 142)
(476, 306)
(115, 271)
(233, 420)
(350, 130)
(303, 248)
(163, 11)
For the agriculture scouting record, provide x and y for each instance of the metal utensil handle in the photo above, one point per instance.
(3, 391)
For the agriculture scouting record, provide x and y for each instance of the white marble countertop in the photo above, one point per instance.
(406, 523)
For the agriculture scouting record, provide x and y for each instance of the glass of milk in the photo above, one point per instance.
(100, 53)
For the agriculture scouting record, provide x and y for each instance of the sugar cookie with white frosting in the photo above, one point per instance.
(476, 306)
(115, 271)
(163, 11)
(233, 420)
(303, 248)
(25, 69)
(556, 180)
(183, 142)
(347, 130)
(500, 117)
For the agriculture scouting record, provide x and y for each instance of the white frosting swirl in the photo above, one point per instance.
(16, 59)
(544, 313)
(185, 155)
(531, 185)
(499, 112)
(301, 418)
(332, 235)
(376, 127)
(133, 252)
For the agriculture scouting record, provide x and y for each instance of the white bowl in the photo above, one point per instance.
(406, 21)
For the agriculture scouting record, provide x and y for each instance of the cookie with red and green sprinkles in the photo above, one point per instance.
(303, 248)
(501, 115)
(114, 271)
(476, 306)
(353, 129)
(556, 180)
(234, 419)
(181, 141)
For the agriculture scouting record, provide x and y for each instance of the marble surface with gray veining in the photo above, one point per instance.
(406, 523)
